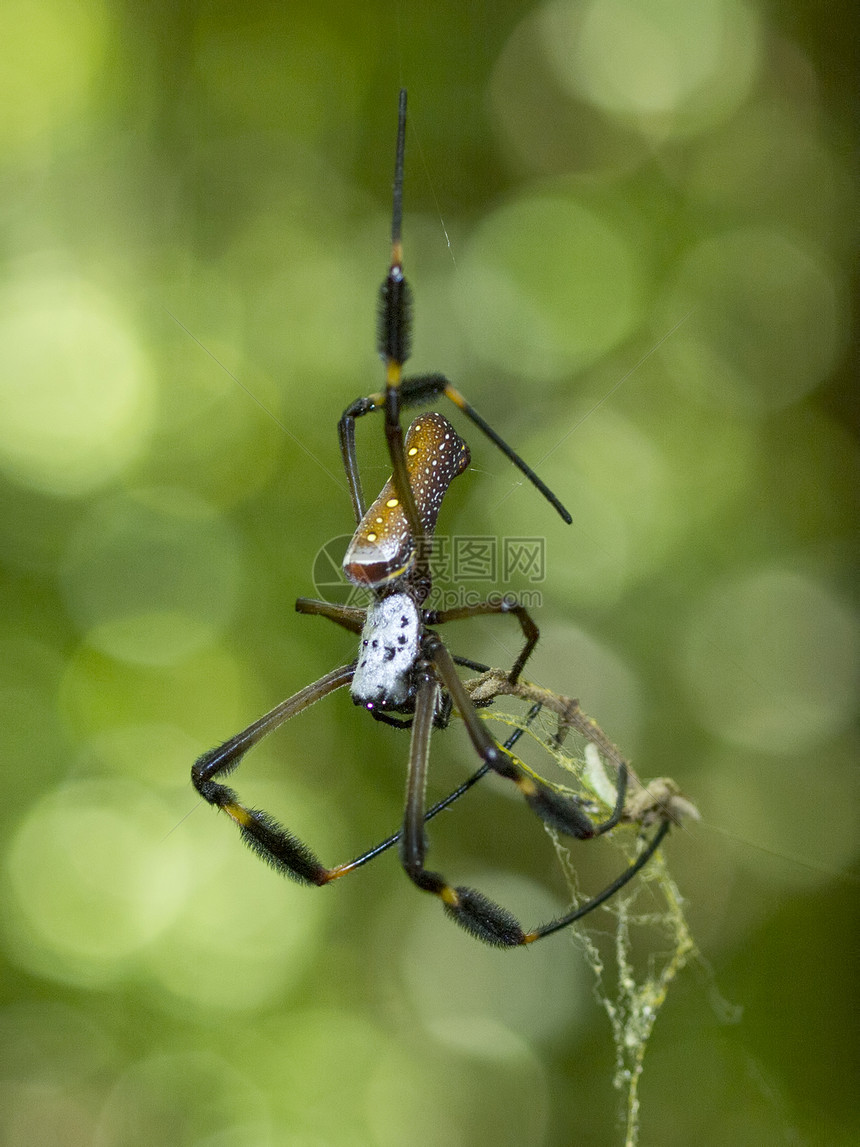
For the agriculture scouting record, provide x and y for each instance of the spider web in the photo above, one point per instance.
(634, 965)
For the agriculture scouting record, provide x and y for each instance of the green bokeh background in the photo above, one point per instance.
(629, 230)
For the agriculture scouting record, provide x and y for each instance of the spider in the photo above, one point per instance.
(403, 667)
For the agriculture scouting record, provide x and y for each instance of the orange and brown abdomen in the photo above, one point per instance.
(382, 546)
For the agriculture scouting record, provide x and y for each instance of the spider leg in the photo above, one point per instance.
(395, 290)
(470, 909)
(387, 719)
(259, 830)
(390, 402)
(531, 633)
(557, 809)
(467, 663)
(424, 388)
(417, 392)
(473, 911)
(346, 435)
(609, 891)
(350, 617)
(384, 845)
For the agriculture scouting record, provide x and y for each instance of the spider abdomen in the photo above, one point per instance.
(389, 647)
(383, 547)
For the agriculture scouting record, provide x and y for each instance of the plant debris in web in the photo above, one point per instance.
(650, 941)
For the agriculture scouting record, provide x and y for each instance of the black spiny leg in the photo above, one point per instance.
(416, 391)
(485, 920)
(555, 808)
(394, 336)
(262, 832)
(394, 344)
(609, 891)
(473, 911)
(531, 633)
(259, 830)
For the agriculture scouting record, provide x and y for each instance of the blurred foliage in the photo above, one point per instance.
(629, 229)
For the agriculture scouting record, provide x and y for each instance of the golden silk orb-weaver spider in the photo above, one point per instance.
(403, 674)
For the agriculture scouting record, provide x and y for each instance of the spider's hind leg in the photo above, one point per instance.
(557, 809)
(260, 831)
(471, 909)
